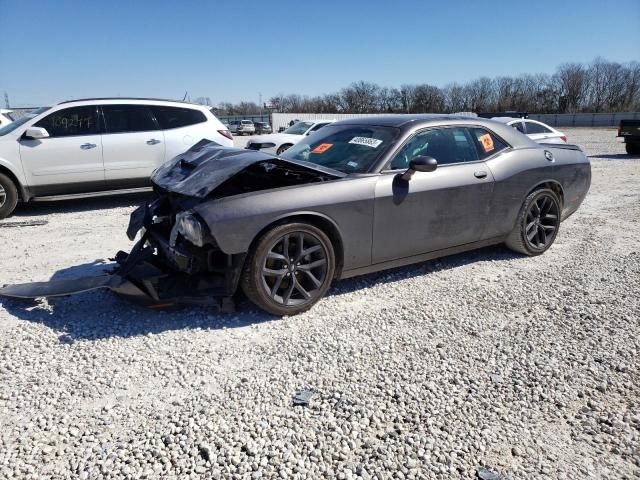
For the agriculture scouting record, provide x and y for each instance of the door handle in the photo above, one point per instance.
(480, 174)
(153, 141)
(87, 146)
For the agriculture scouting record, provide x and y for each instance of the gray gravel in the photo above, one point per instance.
(482, 364)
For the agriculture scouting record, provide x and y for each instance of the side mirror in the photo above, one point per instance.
(420, 164)
(35, 133)
(260, 146)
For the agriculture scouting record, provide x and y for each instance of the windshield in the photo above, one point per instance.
(347, 148)
(22, 120)
(298, 128)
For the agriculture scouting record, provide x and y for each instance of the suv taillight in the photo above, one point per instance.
(564, 138)
(226, 133)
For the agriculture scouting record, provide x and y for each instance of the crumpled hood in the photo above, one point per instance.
(206, 165)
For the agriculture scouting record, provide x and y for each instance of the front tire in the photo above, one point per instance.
(8, 196)
(290, 268)
(538, 223)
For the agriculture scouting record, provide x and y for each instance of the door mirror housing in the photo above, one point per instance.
(420, 164)
(35, 133)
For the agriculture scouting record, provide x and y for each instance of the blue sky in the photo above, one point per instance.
(56, 50)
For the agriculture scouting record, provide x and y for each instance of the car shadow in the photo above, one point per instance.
(100, 314)
(492, 253)
(33, 209)
(616, 156)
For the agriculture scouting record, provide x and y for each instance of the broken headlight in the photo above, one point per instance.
(188, 225)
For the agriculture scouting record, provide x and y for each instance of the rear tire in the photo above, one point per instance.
(537, 225)
(8, 196)
(632, 148)
(289, 269)
(283, 148)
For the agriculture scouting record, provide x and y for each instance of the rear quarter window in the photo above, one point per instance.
(487, 143)
(176, 117)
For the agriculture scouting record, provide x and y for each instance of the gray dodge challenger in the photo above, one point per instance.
(355, 197)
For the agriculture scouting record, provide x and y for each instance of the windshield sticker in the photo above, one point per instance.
(487, 142)
(369, 142)
(323, 147)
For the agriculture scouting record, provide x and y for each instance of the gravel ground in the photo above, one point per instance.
(527, 367)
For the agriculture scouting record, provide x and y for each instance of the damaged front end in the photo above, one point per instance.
(177, 259)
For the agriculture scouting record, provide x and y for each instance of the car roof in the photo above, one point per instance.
(507, 119)
(402, 120)
(134, 100)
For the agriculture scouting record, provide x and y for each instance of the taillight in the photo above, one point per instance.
(226, 133)
(564, 138)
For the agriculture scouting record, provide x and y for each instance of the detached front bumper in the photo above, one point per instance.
(158, 272)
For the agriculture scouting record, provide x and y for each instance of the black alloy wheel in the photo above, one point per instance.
(542, 221)
(538, 223)
(290, 270)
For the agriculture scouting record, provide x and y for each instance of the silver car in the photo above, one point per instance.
(358, 196)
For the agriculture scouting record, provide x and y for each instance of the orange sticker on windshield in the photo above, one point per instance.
(487, 142)
(323, 147)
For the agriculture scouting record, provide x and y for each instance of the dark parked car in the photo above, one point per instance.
(629, 130)
(358, 196)
(262, 127)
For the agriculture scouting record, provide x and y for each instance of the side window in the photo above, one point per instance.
(486, 142)
(446, 145)
(71, 122)
(518, 126)
(128, 118)
(175, 117)
(533, 128)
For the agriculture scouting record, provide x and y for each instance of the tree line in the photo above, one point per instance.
(600, 86)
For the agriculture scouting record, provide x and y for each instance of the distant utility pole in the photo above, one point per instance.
(6, 100)
(260, 101)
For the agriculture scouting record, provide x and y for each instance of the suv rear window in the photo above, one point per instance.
(176, 117)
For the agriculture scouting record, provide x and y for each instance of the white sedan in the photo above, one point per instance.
(537, 131)
(290, 136)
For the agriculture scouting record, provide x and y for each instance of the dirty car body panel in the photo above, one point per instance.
(212, 203)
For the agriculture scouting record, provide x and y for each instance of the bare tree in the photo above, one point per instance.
(600, 86)
(573, 79)
(454, 98)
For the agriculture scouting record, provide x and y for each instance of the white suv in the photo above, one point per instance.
(97, 146)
